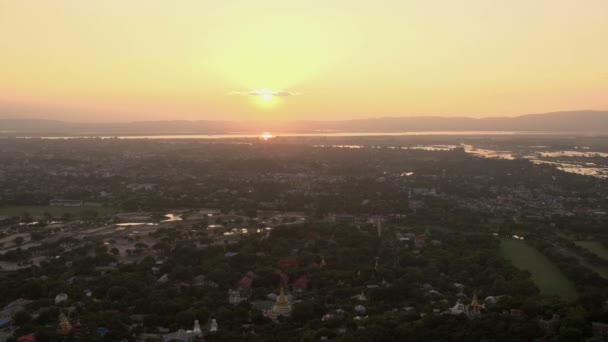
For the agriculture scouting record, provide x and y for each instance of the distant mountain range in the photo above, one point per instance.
(573, 121)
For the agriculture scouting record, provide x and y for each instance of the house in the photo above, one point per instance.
(360, 309)
(4, 322)
(284, 277)
(420, 241)
(194, 335)
(246, 282)
(15, 306)
(515, 313)
(545, 323)
(234, 297)
(599, 329)
(288, 262)
(61, 298)
(27, 338)
(301, 283)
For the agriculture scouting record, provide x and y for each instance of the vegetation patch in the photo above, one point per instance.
(595, 247)
(549, 279)
(599, 269)
(39, 211)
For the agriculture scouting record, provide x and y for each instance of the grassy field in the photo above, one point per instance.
(55, 211)
(601, 270)
(549, 279)
(595, 247)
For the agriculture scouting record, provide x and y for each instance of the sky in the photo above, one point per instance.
(117, 60)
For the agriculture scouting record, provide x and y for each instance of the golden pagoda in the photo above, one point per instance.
(475, 302)
(474, 309)
(361, 297)
(281, 306)
(64, 327)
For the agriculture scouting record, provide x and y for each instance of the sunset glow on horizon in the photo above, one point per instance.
(317, 60)
(267, 136)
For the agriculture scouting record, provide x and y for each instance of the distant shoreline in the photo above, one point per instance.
(230, 135)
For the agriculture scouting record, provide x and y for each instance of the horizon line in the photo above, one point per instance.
(311, 120)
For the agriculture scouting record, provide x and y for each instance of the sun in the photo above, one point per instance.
(267, 136)
(266, 97)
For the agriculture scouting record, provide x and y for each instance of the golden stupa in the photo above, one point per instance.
(475, 302)
(281, 306)
(64, 327)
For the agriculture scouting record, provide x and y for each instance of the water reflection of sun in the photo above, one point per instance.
(267, 136)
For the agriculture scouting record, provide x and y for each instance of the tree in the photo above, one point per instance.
(117, 293)
(303, 311)
(36, 236)
(18, 240)
(21, 317)
(26, 217)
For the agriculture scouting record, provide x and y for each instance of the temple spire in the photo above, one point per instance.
(475, 302)
(196, 331)
(64, 327)
(281, 306)
(282, 299)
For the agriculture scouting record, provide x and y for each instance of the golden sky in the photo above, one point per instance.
(114, 60)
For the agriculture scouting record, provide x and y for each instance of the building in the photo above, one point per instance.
(213, 327)
(471, 311)
(61, 298)
(64, 327)
(281, 307)
(420, 241)
(194, 335)
(474, 307)
(600, 329)
(301, 283)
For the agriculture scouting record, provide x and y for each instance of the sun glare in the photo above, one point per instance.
(266, 97)
(267, 136)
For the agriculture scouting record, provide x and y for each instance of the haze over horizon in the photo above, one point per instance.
(117, 61)
(596, 114)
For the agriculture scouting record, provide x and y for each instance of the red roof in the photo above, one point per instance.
(181, 284)
(301, 283)
(245, 282)
(79, 329)
(288, 262)
(27, 338)
(313, 236)
(284, 277)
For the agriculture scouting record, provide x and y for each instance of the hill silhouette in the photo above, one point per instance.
(573, 121)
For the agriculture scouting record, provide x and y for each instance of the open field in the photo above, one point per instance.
(55, 211)
(595, 247)
(549, 279)
(601, 270)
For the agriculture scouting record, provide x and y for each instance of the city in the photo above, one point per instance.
(299, 171)
(282, 239)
